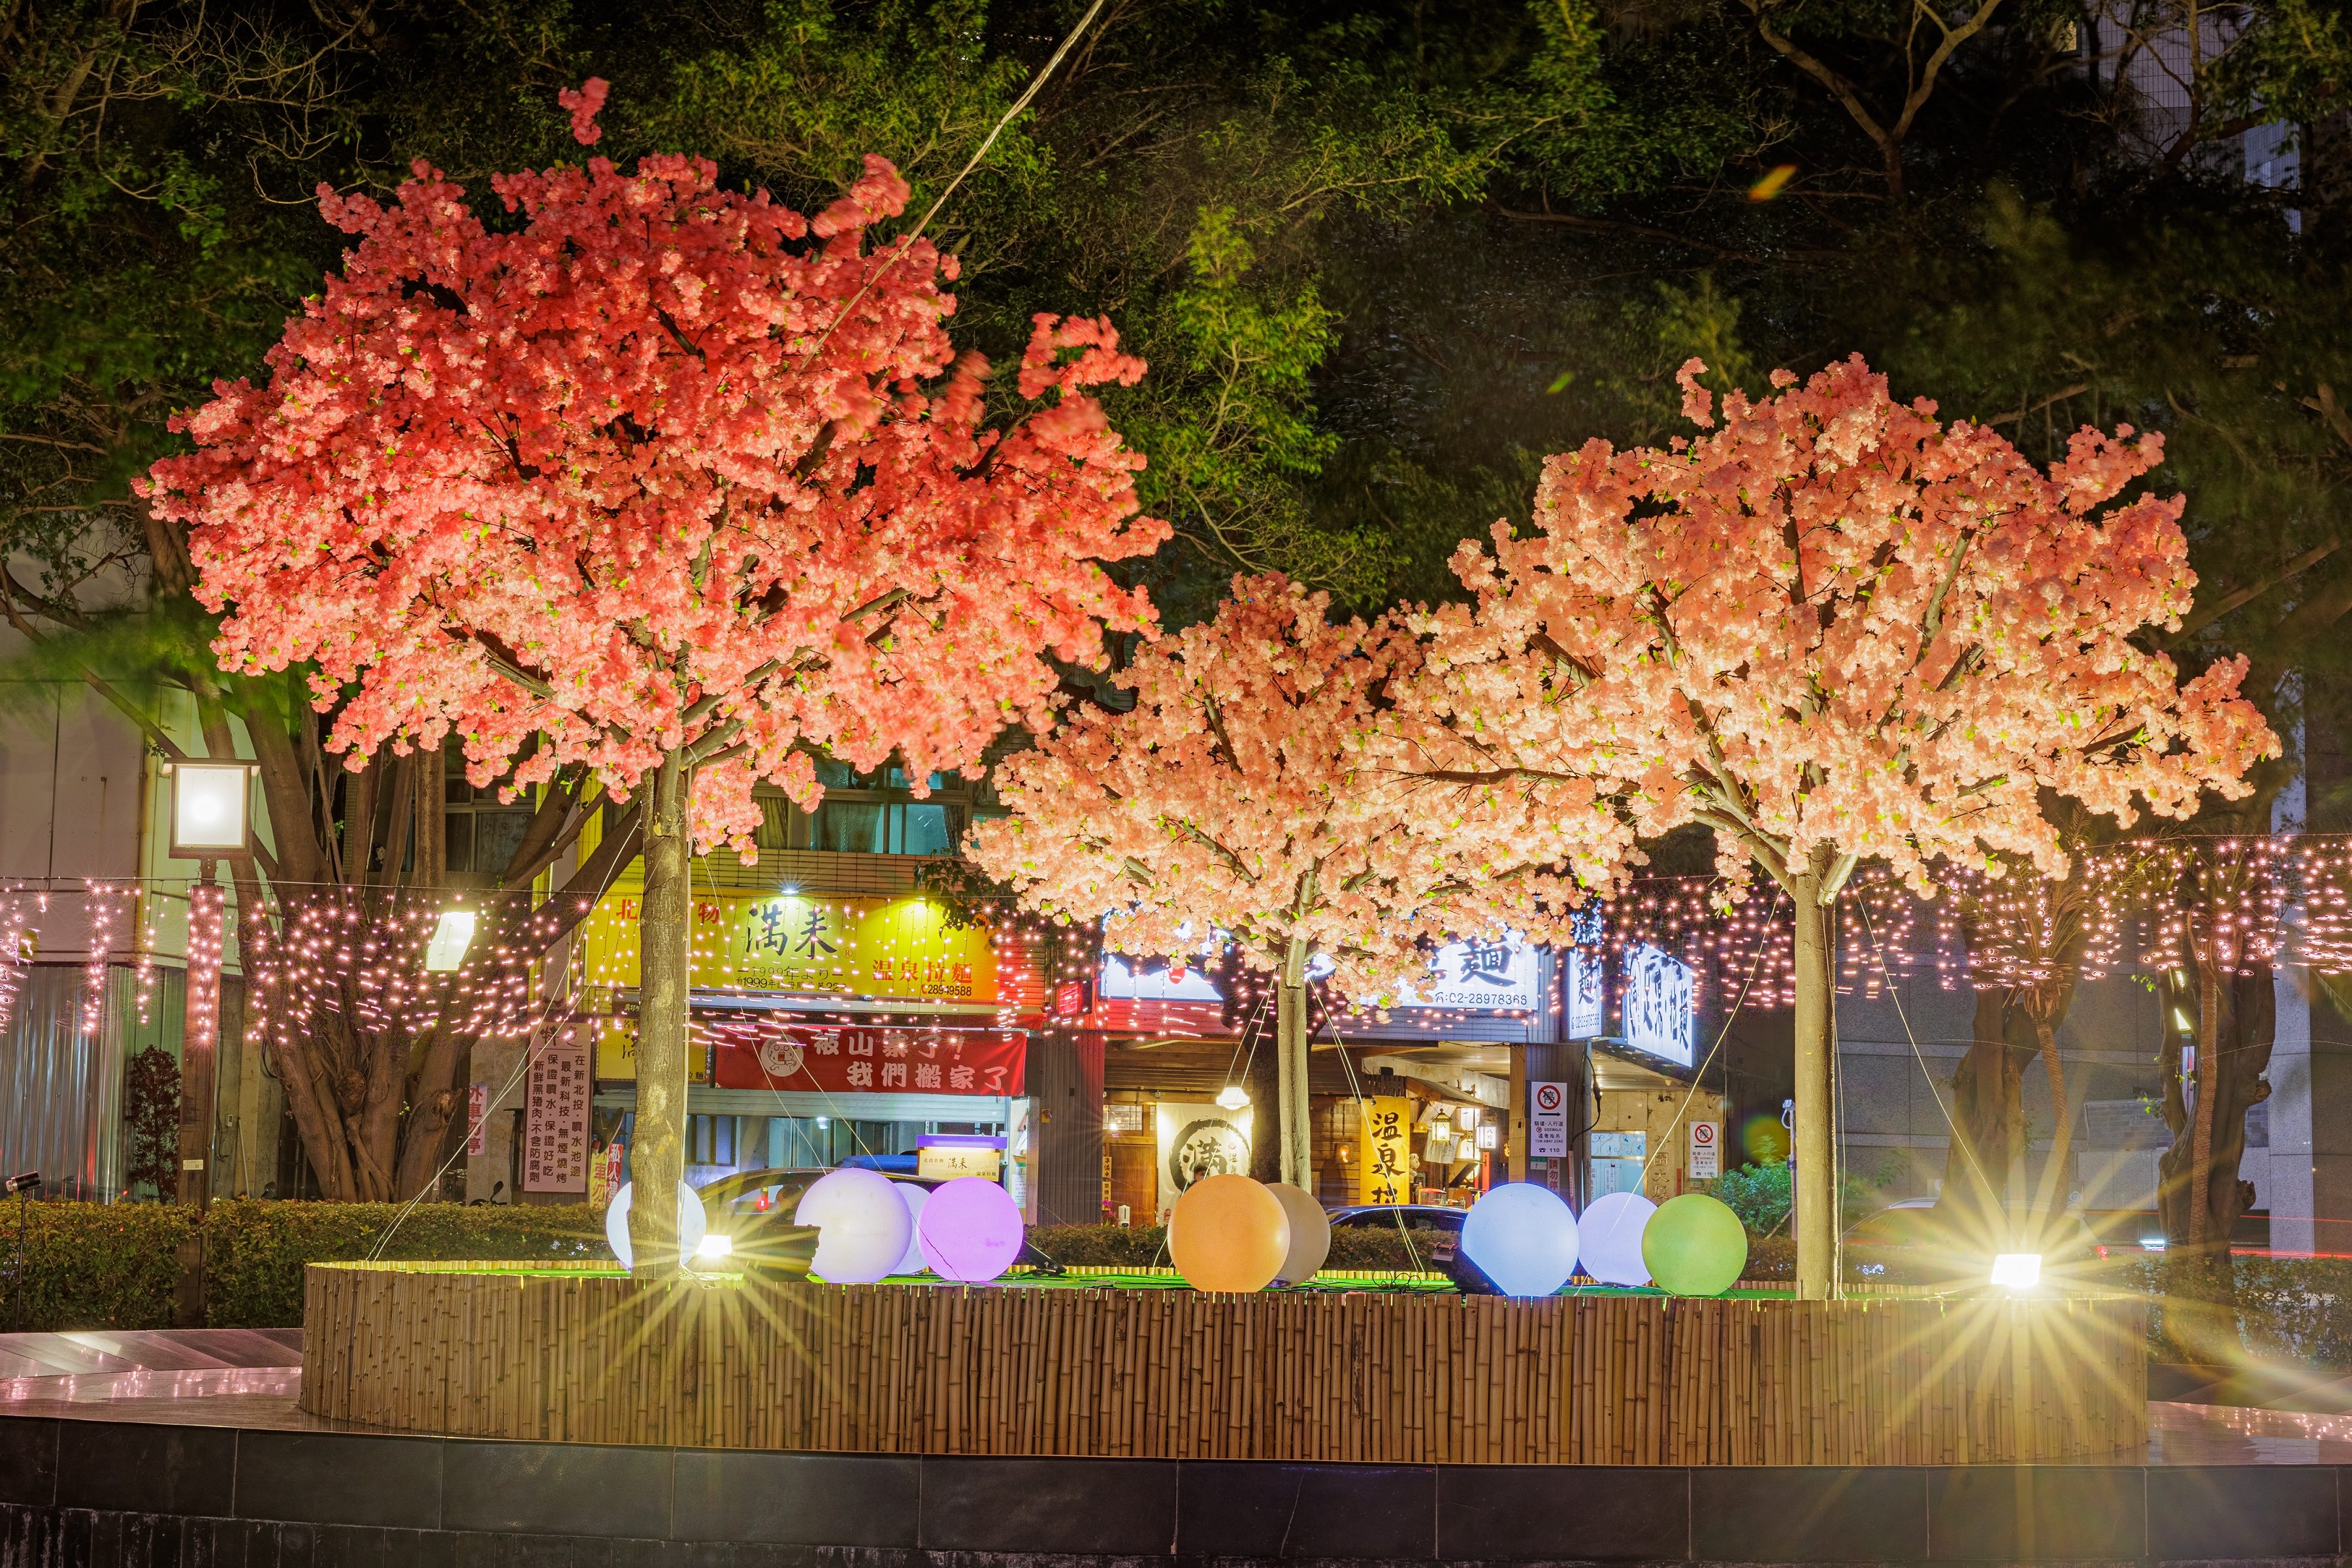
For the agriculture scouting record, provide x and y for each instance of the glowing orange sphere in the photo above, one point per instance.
(1228, 1232)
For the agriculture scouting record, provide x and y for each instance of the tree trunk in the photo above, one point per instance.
(1261, 1076)
(1815, 1134)
(433, 1103)
(1984, 1114)
(2051, 1194)
(658, 1157)
(2200, 1193)
(1987, 1115)
(2200, 1157)
(1290, 1040)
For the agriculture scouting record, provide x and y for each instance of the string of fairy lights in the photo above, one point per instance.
(334, 953)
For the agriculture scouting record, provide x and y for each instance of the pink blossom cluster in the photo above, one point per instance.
(1242, 793)
(1832, 627)
(659, 468)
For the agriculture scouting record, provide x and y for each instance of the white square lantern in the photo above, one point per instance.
(210, 810)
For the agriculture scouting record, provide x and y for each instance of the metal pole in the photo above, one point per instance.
(16, 1317)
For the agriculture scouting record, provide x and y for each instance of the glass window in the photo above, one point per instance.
(775, 829)
(928, 830)
(497, 836)
(855, 827)
(457, 836)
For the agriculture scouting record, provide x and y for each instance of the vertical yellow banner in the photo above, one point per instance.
(1384, 1170)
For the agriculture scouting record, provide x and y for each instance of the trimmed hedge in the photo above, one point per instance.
(117, 1266)
(255, 1250)
(92, 1266)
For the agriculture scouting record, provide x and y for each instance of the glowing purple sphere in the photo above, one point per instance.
(969, 1230)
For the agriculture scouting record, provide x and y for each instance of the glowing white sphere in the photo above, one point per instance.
(692, 1224)
(1609, 1237)
(862, 1225)
(913, 1195)
(1523, 1238)
(970, 1230)
(1310, 1233)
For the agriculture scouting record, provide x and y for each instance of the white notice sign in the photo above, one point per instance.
(555, 1122)
(1548, 1120)
(1705, 1151)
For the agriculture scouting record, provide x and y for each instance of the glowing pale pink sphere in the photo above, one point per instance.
(862, 1226)
(969, 1230)
(914, 1195)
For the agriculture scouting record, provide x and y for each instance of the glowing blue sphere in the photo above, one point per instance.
(1523, 1238)
(1610, 1238)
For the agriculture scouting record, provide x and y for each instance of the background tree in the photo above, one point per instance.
(1835, 628)
(650, 485)
(2032, 940)
(1439, 243)
(1238, 796)
(151, 1115)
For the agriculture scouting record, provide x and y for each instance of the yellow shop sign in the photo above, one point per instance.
(898, 949)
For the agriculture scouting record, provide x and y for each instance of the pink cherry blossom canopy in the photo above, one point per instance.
(658, 466)
(1835, 624)
(1239, 795)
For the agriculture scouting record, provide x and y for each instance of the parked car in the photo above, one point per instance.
(1958, 1245)
(755, 1209)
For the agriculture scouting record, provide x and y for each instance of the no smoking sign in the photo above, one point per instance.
(1705, 1151)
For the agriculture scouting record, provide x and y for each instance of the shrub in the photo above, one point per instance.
(1773, 1259)
(92, 1266)
(255, 1250)
(1759, 1195)
(151, 1116)
(117, 1266)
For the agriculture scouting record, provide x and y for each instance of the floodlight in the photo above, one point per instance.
(2017, 1270)
(713, 1247)
(209, 810)
(452, 934)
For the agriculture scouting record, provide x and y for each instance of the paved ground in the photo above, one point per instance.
(203, 1378)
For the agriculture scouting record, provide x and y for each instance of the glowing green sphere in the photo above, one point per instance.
(1695, 1246)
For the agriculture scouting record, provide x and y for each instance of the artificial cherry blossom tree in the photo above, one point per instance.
(1833, 628)
(1237, 796)
(667, 482)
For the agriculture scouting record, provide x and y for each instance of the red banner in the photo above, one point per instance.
(848, 1058)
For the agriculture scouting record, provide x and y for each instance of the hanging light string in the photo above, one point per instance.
(1699, 1077)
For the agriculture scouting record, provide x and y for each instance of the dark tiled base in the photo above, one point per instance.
(94, 1494)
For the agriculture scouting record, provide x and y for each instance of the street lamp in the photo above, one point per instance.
(211, 822)
(210, 810)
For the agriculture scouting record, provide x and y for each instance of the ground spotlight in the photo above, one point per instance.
(2017, 1270)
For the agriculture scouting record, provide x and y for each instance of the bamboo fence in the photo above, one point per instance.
(530, 1353)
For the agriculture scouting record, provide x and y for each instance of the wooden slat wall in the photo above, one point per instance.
(484, 1353)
